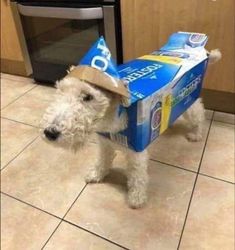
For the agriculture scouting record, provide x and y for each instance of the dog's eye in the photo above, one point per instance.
(87, 98)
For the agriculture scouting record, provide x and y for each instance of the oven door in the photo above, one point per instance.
(58, 37)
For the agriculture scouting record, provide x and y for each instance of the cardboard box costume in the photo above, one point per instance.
(158, 87)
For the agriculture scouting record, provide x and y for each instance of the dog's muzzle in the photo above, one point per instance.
(51, 134)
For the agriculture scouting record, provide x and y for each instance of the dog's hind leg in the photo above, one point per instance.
(195, 117)
(137, 178)
(99, 170)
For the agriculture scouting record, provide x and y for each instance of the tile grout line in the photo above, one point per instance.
(64, 216)
(191, 171)
(27, 124)
(215, 178)
(61, 219)
(83, 229)
(195, 182)
(20, 152)
(99, 236)
(174, 166)
(26, 203)
(19, 97)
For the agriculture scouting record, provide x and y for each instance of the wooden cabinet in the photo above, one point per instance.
(14, 55)
(146, 26)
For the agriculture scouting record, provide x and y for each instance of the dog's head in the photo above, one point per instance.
(77, 111)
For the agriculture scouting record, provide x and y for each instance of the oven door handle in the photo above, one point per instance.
(60, 12)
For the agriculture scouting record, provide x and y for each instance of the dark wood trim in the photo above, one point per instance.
(13, 67)
(219, 100)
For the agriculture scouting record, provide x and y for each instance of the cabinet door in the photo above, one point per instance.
(146, 25)
(14, 56)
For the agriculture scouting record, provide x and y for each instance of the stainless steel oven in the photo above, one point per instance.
(59, 33)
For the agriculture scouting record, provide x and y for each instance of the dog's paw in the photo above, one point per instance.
(136, 199)
(194, 137)
(94, 176)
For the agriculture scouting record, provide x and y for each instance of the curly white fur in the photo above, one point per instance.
(76, 117)
(195, 116)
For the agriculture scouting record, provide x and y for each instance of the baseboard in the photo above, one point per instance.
(13, 67)
(219, 100)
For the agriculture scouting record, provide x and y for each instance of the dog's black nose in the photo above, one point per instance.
(51, 134)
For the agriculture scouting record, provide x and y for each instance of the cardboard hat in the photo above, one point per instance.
(101, 79)
(98, 68)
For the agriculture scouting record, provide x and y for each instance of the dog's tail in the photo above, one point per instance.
(214, 56)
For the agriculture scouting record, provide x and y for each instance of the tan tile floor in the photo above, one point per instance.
(46, 204)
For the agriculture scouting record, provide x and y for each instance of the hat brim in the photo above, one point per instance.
(100, 79)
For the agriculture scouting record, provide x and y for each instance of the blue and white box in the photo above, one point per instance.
(162, 86)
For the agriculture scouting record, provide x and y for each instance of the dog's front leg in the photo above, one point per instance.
(137, 178)
(100, 169)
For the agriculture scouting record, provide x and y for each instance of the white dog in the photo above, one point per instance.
(81, 110)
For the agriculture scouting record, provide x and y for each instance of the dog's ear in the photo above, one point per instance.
(60, 86)
(65, 83)
(124, 101)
